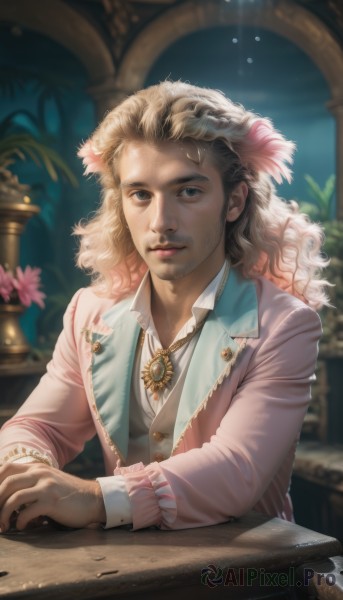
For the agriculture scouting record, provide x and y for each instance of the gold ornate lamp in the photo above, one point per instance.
(15, 210)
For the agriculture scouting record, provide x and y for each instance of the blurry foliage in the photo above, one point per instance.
(322, 207)
(26, 135)
(19, 142)
(333, 243)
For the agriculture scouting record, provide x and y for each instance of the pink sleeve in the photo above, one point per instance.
(54, 422)
(228, 475)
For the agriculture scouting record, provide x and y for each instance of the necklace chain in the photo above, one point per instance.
(179, 343)
(159, 370)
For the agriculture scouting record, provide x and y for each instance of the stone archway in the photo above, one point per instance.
(284, 18)
(58, 21)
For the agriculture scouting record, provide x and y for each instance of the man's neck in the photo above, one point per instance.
(170, 313)
(171, 304)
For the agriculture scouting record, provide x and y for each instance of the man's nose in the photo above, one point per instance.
(163, 214)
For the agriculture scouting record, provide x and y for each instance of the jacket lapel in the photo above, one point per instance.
(234, 316)
(112, 372)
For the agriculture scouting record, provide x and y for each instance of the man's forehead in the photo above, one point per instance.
(179, 145)
(189, 151)
(164, 163)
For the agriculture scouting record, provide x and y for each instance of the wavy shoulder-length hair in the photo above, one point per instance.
(271, 237)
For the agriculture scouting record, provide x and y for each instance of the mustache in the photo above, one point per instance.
(168, 242)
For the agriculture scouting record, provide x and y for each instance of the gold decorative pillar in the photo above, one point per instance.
(336, 107)
(15, 210)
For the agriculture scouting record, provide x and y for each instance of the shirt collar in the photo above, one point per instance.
(141, 304)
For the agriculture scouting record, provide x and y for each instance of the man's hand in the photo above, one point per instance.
(35, 489)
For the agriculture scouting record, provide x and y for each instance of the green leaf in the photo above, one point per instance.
(21, 145)
(323, 198)
(315, 190)
(329, 187)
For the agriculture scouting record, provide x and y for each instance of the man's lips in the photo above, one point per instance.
(166, 250)
(167, 247)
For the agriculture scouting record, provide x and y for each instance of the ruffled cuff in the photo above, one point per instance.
(152, 499)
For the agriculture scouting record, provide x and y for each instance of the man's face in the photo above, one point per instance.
(174, 210)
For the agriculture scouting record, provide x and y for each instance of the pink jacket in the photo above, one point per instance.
(242, 406)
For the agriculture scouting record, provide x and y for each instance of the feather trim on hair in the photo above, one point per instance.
(91, 158)
(265, 149)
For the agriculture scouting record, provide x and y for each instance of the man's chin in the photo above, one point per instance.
(170, 274)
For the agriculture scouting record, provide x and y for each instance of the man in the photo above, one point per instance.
(197, 382)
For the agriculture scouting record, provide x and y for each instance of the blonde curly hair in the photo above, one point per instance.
(270, 238)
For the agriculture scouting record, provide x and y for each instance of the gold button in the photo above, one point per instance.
(159, 457)
(96, 347)
(226, 354)
(158, 436)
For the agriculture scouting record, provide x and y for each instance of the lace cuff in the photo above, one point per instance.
(19, 452)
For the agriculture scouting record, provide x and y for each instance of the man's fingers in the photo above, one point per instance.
(28, 514)
(16, 503)
(15, 491)
(10, 468)
(16, 482)
(39, 490)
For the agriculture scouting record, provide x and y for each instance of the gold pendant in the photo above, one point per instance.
(157, 373)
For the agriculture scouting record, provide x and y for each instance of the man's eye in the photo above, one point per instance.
(141, 195)
(190, 192)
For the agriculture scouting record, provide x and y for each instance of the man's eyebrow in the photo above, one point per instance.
(194, 177)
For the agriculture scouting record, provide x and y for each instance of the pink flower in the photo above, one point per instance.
(92, 160)
(6, 284)
(265, 149)
(27, 283)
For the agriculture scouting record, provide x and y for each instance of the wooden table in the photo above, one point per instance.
(93, 563)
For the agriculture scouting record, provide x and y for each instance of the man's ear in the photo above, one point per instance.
(237, 201)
